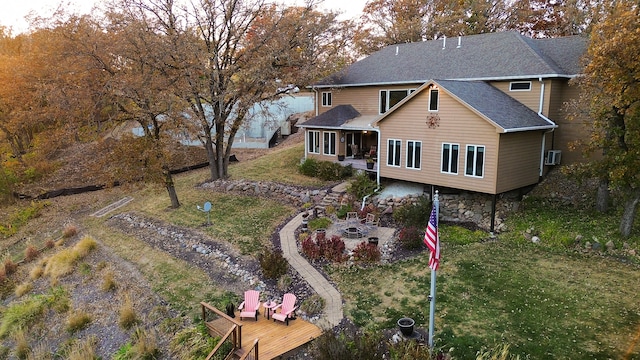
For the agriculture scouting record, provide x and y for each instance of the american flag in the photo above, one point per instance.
(432, 241)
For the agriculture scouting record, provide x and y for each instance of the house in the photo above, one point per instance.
(481, 113)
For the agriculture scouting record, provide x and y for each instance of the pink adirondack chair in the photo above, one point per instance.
(286, 308)
(249, 307)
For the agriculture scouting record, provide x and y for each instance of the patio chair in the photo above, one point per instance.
(352, 216)
(250, 305)
(371, 220)
(286, 308)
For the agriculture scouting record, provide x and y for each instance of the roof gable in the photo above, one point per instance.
(496, 107)
(503, 55)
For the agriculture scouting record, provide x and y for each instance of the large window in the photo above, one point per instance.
(326, 99)
(393, 152)
(433, 100)
(389, 98)
(450, 158)
(475, 161)
(414, 152)
(313, 142)
(329, 143)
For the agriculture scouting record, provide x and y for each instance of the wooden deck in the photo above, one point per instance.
(275, 338)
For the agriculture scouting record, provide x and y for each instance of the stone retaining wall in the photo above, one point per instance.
(462, 207)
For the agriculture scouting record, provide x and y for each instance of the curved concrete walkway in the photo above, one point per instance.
(331, 296)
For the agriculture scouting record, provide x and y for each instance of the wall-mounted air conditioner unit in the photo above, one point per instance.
(553, 157)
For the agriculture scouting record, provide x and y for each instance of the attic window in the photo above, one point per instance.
(326, 99)
(520, 86)
(389, 98)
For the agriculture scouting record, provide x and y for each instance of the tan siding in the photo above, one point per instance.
(457, 125)
(519, 163)
(364, 99)
(568, 131)
(340, 146)
(531, 99)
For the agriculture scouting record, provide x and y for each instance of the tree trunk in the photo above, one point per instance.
(602, 196)
(211, 157)
(171, 189)
(629, 214)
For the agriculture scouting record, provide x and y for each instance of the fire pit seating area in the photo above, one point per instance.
(354, 227)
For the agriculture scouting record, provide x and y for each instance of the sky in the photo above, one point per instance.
(12, 12)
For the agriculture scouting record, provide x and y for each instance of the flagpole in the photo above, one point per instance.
(432, 297)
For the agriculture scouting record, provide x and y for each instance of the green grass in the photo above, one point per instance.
(281, 166)
(544, 302)
(19, 315)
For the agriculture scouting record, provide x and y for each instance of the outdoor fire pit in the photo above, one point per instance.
(352, 233)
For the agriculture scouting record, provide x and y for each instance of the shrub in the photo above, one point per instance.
(49, 244)
(77, 321)
(108, 282)
(357, 346)
(23, 289)
(22, 349)
(30, 253)
(69, 231)
(9, 266)
(309, 167)
(144, 345)
(313, 305)
(341, 213)
(362, 186)
(411, 238)
(366, 252)
(319, 223)
(82, 350)
(331, 249)
(410, 350)
(310, 249)
(284, 282)
(329, 171)
(127, 317)
(414, 215)
(273, 264)
(36, 272)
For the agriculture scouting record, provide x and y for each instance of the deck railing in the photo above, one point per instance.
(252, 354)
(220, 324)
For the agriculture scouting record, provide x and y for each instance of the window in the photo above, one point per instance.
(329, 143)
(520, 86)
(450, 158)
(389, 98)
(313, 142)
(414, 151)
(326, 99)
(475, 161)
(393, 152)
(433, 100)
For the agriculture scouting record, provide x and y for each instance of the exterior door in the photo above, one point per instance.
(353, 138)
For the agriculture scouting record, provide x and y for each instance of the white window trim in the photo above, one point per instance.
(327, 99)
(414, 167)
(388, 95)
(332, 144)
(437, 103)
(317, 135)
(388, 150)
(450, 162)
(475, 156)
(520, 82)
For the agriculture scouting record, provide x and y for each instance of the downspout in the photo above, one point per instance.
(544, 135)
(315, 101)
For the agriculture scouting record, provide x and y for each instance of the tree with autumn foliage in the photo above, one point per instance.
(611, 96)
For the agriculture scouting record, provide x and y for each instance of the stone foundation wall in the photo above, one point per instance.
(462, 207)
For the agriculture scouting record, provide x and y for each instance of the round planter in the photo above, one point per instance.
(373, 240)
(406, 326)
(340, 157)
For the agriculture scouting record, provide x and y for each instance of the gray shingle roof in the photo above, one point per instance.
(333, 118)
(503, 55)
(500, 108)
